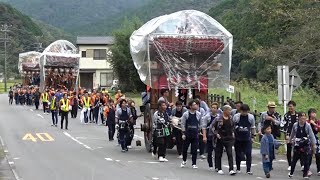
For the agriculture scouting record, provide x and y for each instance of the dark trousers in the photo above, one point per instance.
(317, 161)
(64, 116)
(194, 141)
(131, 135)
(10, 100)
(17, 100)
(154, 144)
(210, 148)
(162, 146)
(219, 151)
(289, 155)
(74, 111)
(243, 147)
(123, 135)
(111, 130)
(91, 115)
(36, 103)
(96, 114)
(54, 117)
(86, 116)
(179, 143)
(299, 155)
(202, 145)
(45, 106)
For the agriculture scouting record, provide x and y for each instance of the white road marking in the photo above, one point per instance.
(86, 138)
(40, 116)
(259, 178)
(281, 160)
(11, 162)
(155, 178)
(2, 143)
(147, 162)
(117, 160)
(138, 137)
(108, 159)
(16, 158)
(6, 151)
(31, 109)
(77, 141)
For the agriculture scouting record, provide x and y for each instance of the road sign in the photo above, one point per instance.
(295, 79)
(283, 86)
(230, 89)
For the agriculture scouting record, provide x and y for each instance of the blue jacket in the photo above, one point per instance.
(264, 147)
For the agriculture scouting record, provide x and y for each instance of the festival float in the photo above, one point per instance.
(59, 66)
(187, 52)
(29, 68)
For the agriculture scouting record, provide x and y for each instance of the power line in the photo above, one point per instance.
(5, 29)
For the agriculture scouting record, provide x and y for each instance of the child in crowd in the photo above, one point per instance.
(267, 150)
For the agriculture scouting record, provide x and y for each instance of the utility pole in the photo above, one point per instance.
(5, 29)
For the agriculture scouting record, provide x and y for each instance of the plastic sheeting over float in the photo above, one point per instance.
(184, 50)
(29, 63)
(59, 60)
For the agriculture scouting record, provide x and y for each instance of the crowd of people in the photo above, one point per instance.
(210, 129)
(218, 129)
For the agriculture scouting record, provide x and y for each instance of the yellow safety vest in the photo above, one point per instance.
(86, 103)
(66, 105)
(45, 97)
(53, 104)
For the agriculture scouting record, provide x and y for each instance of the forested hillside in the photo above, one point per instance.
(271, 33)
(24, 34)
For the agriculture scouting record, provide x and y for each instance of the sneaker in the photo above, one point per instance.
(238, 172)
(217, 170)
(161, 159)
(302, 168)
(268, 175)
(203, 156)
(194, 167)
(180, 157)
(290, 175)
(154, 155)
(210, 168)
(183, 164)
(289, 168)
(232, 172)
(165, 160)
(319, 173)
(249, 173)
(123, 150)
(220, 172)
(306, 177)
(129, 147)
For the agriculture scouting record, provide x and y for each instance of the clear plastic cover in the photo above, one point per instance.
(29, 62)
(59, 65)
(184, 50)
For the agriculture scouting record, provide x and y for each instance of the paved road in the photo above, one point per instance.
(83, 153)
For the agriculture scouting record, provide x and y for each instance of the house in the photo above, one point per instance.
(95, 68)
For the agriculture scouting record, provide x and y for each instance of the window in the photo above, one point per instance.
(99, 54)
(106, 79)
(84, 54)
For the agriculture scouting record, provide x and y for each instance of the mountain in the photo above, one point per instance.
(152, 9)
(24, 35)
(68, 14)
(101, 17)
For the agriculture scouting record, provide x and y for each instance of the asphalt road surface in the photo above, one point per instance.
(38, 151)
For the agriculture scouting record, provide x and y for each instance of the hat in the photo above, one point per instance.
(272, 104)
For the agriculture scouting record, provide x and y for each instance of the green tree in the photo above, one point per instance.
(121, 59)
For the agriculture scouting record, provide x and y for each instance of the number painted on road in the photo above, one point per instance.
(29, 137)
(45, 137)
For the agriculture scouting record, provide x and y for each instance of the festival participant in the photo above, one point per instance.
(164, 97)
(290, 118)
(64, 106)
(45, 100)
(131, 105)
(110, 117)
(267, 149)
(123, 115)
(177, 112)
(245, 130)
(10, 95)
(85, 102)
(74, 105)
(304, 140)
(54, 109)
(224, 131)
(270, 117)
(315, 125)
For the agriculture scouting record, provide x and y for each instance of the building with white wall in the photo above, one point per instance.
(95, 68)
